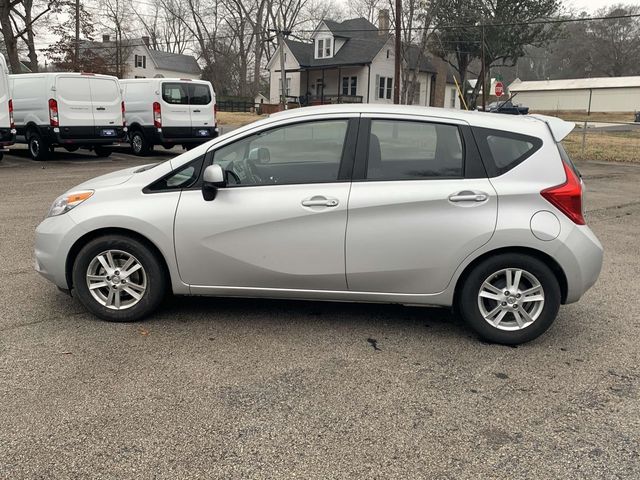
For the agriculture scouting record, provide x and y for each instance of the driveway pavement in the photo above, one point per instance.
(233, 388)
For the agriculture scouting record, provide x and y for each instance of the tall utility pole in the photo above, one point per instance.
(398, 53)
(280, 34)
(484, 75)
(76, 53)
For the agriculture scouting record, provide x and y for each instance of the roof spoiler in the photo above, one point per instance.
(559, 128)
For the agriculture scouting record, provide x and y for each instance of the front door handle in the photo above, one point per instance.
(320, 201)
(468, 196)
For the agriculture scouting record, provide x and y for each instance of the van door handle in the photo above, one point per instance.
(196, 111)
(468, 196)
(320, 201)
(100, 108)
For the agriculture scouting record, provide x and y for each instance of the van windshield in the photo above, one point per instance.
(186, 93)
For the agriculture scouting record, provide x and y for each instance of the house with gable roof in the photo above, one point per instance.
(353, 62)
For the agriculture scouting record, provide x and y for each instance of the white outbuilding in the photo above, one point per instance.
(603, 94)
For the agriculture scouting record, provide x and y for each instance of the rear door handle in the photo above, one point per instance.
(320, 201)
(196, 111)
(468, 196)
(100, 108)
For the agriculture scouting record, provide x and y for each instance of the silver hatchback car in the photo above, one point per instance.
(367, 203)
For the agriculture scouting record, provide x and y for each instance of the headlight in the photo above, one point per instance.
(68, 201)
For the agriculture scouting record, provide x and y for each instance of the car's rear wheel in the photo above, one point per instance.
(510, 298)
(118, 278)
(139, 143)
(102, 151)
(38, 148)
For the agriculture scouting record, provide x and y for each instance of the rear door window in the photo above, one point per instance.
(175, 93)
(502, 151)
(199, 94)
(411, 150)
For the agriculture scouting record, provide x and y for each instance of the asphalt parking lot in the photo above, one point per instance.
(232, 388)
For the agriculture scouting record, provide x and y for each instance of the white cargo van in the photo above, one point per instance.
(70, 110)
(7, 128)
(168, 112)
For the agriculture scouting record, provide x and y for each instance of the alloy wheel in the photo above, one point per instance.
(511, 299)
(116, 279)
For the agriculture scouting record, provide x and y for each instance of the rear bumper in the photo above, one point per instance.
(91, 135)
(7, 137)
(179, 135)
(581, 257)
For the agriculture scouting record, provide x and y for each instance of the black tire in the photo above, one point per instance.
(168, 146)
(469, 301)
(139, 144)
(152, 269)
(72, 148)
(38, 148)
(102, 151)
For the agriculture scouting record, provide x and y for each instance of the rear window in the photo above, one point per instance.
(502, 151)
(186, 93)
(175, 93)
(199, 94)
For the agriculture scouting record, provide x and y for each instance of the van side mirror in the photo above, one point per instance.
(212, 180)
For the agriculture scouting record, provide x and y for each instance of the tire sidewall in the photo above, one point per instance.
(43, 149)
(143, 144)
(156, 278)
(468, 300)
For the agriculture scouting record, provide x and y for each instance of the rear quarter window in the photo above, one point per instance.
(501, 151)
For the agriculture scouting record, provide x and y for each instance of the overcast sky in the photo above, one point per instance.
(591, 5)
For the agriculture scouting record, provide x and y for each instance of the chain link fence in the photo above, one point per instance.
(604, 141)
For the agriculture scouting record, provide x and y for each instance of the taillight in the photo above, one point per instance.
(11, 122)
(567, 197)
(53, 113)
(157, 115)
(124, 122)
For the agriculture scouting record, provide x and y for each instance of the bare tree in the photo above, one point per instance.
(17, 22)
(116, 17)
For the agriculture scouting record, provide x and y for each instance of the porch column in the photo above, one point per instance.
(322, 96)
(339, 83)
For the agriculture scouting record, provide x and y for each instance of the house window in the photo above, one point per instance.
(323, 49)
(140, 61)
(288, 91)
(349, 85)
(385, 86)
(387, 53)
(452, 100)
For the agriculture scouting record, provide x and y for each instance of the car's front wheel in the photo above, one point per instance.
(118, 278)
(510, 298)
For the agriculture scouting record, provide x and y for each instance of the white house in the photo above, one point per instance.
(606, 94)
(353, 62)
(141, 61)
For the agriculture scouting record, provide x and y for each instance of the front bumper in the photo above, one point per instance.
(54, 238)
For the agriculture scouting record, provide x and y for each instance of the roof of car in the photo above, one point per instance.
(475, 118)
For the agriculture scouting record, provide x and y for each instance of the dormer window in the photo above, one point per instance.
(324, 47)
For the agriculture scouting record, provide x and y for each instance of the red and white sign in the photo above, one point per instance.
(499, 89)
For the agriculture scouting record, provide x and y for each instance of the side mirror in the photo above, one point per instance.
(212, 179)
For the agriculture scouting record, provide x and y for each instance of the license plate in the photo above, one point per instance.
(203, 133)
(109, 132)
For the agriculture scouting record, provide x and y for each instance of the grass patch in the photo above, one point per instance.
(581, 115)
(237, 118)
(604, 146)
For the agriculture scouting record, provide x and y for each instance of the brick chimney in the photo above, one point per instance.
(145, 40)
(105, 38)
(440, 81)
(383, 22)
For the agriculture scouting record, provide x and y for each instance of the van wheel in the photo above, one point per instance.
(139, 144)
(510, 299)
(102, 151)
(38, 148)
(118, 278)
(73, 148)
(168, 146)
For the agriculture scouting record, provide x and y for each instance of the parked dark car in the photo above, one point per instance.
(508, 108)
